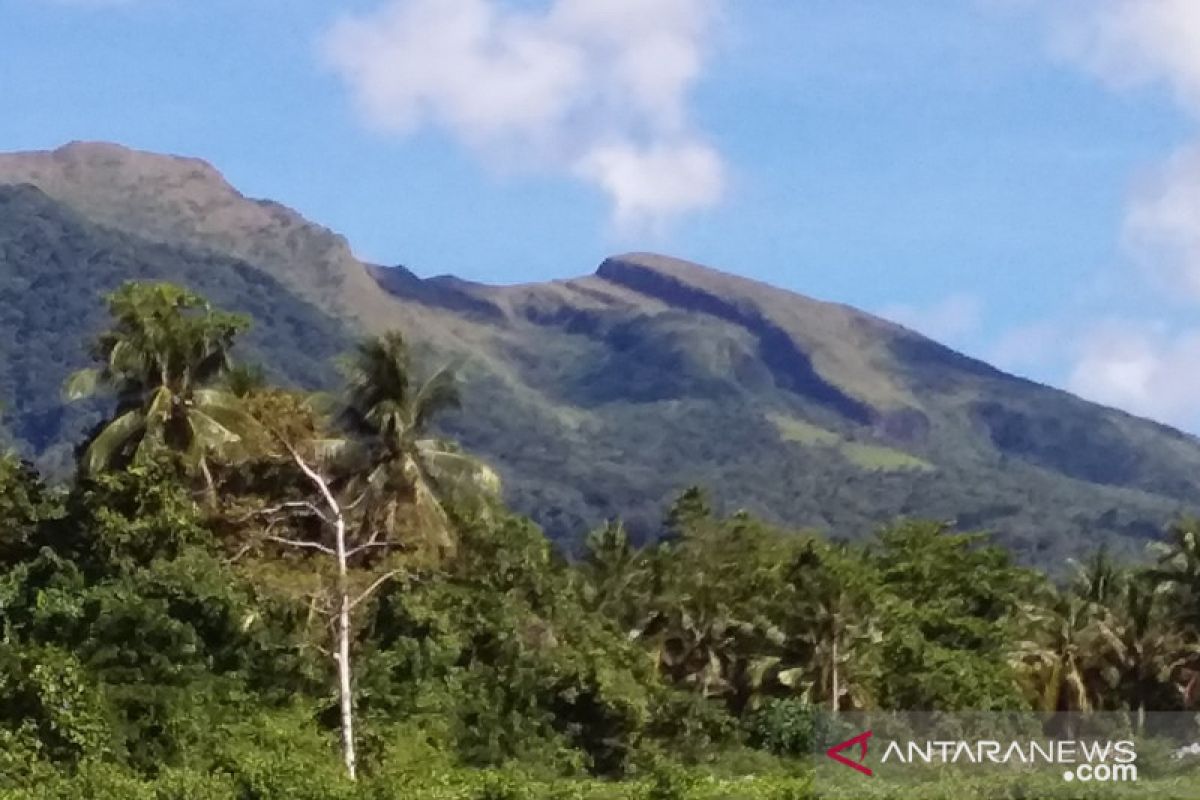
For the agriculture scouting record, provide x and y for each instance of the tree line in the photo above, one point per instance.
(250, 591)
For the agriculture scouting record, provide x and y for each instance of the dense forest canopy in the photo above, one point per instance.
(250, 591)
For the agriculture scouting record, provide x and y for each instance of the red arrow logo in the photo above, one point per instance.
(835, 753)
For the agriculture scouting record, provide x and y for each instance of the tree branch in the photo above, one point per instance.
(313, 476)
(292, 505)
(301, 543)
(353, 551)
(306, 505)
(241, 552)
(371, 589)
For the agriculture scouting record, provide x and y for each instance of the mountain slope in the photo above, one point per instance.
(607, 394)
(56, 267)
(186, 203)
(654, 373)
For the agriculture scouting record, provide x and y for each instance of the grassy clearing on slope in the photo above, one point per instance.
(870, 456)
(865, 456)
(800, 432)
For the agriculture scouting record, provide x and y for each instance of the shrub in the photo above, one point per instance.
(787, 727)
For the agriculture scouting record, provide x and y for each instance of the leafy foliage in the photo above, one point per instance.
(159, 644)
(56, 269)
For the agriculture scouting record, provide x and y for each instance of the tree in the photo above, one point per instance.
(330, 540)
(712, 615)
(124, 596)
(162, 359)
(1057, 665)
(1147, 651)
(615, 576)
(26, 504)
(947, 608)
(1178, 572)
(690, 509)
(404, 476)
(831, 626)
(372, 502)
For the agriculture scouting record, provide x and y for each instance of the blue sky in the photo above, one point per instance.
(1020, 179)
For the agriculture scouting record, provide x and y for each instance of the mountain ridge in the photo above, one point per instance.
(605, 394)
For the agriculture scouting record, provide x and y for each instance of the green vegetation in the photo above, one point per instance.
(57, 268)
(801, 432)
(870, 456)
(594, 398)
(324, 601)
(867, 456)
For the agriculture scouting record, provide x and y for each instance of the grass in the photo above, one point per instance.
(875, 457)
(800, 432)
(865, 456)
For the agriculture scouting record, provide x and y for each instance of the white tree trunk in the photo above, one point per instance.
(345, 690)
(344, 605)
(835, 691)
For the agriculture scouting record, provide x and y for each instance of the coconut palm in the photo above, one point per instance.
(406, 475)
(1149, 653)
(616, 576)
(1057, 666)
(163, 359)
(1100, 579)
(1176, 577)
(833, 628)
(1178, 572)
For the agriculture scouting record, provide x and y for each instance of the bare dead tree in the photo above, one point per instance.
(331, 514)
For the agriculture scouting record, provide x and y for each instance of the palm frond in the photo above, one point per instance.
(80, 384)
(458, 470)
(438, 393)
(108, 446)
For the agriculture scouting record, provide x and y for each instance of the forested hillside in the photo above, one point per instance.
(596, 397)
(250, 594)
(56, 269)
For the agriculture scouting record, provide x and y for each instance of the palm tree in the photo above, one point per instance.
(712, 597)
(616, 576)
(1056, 666)
(1177, 577)
(407, 475)
(1149, 653)
(833, 627)
(1100, 579)
(1178, 572)
(162, 359)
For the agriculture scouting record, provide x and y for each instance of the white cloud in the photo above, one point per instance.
(946, 320)
(597, 89)
(1145, 366)
(1133, 42)
(1162, 222)
(1143, 369)
(647, 185)
(1130, 43)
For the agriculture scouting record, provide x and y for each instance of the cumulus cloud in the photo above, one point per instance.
(1133, 42)
(947, 320)
(1144, 369)
(597, 89)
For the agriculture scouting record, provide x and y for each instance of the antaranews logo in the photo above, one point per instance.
(1087, 761)
(860, 742)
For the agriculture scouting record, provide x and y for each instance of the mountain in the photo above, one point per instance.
(56, 266)
(602, 395)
